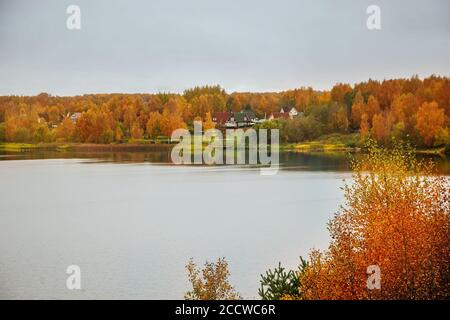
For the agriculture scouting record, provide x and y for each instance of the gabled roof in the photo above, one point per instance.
(249, 113)
(221, 117)
(279, 115)
(287, 110)
(240, 117)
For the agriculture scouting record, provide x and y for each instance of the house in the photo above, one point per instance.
(249, 114)
(237, 120)
(220, 118)
(74, 117)
(292, 113)
(279, 115)
(244, 118)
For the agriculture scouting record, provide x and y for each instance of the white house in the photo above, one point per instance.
(292, 113)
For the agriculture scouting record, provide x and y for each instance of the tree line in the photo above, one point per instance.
(416, 110)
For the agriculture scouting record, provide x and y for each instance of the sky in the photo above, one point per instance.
(147, 46)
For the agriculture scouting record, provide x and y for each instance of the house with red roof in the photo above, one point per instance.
(278, 115)
(220, 118)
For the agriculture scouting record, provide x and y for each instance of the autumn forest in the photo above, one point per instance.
(415, 110)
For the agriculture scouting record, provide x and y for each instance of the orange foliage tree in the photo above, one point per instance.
(372, 107)
(95, 126)
(154, 125)
(357, 109)
(364, 129)
(381, 127)
(111, 118)
(65, 130)
(170, 122)
(396, 216)
(430, 121)
(136, 131)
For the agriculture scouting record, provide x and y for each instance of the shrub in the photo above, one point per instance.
(396, 216)
(281, 284)
(211, 283)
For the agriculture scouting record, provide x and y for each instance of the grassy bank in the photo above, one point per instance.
(343, 143)
(327, 143)
(17, 147)
(132, 146)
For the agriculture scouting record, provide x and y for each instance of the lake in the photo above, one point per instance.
(131, 221)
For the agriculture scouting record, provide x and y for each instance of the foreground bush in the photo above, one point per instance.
(396, 216)
(211, 283)
(280, 283)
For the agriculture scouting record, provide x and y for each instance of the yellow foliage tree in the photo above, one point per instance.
(118, 134)
(154, 125)
(208, 123)
(211, 283)
(170, 122)
(396, 216)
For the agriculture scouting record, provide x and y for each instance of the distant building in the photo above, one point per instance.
(279, 115)
(75, 116)
(220, 118)
(292, 113)
(244, 118)
(249, 114)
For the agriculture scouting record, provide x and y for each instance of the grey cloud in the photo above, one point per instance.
(253, 45)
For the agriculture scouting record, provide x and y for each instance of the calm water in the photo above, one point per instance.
(132, 222)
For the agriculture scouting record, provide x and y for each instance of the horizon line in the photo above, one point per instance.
(181, 92)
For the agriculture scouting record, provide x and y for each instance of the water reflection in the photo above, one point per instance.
(297, 161)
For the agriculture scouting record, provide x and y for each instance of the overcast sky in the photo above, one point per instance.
(243, 45)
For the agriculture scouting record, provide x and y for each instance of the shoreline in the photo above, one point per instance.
(301, 147)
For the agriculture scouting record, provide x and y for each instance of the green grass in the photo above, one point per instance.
(63, 147)
(14, 146)
(347, 140)
(326, 143)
